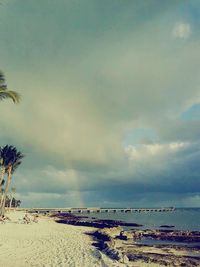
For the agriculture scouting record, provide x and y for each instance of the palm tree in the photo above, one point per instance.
(11, 159)
(5, 93)
(13, 191)
(2, 172)
(1, 195)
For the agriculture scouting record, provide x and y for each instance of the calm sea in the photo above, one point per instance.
(181, 218)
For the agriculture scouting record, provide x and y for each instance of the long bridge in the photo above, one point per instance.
(92, 210)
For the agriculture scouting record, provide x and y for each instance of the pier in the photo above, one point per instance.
(94, 210)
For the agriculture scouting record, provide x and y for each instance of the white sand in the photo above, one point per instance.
(50, 244)
(46, 244)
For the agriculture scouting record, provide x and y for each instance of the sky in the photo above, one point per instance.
(110, 105)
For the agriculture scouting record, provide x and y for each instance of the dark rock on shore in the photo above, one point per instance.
(67, 218)
(167, 226)
(117, 244)
(164, 260)
(125, 235)
(172, 235)
(84, 223)
(105, 242)
(120, 245)
(115, 223)
(107, 234)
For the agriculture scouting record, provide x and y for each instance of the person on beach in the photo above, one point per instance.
(26, 219)
(3, 219)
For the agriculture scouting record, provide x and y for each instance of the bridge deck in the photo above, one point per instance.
(90, 210)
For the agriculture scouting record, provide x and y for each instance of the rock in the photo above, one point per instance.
(114, 223)
(125, 235)
(137, 235)
(107, 234)
(111, 232)
(68, 218)
(110, 244)
(114, 254)
(101, 236)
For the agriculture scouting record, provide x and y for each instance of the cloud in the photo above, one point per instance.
(171, 169)
(182, 30)
(85, 84)
(147, 150)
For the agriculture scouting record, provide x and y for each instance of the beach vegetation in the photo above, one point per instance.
(5, 93)
(13, 191)
(10, 161)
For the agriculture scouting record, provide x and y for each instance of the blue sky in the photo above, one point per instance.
(193, 113)
(110, 101)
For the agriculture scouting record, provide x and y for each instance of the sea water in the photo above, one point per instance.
(180, 218)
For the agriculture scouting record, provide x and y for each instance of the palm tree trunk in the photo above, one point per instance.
(2, 173)
(11, 200)
(2, 210)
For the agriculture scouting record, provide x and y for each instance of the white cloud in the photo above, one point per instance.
(149, 150)
(182, 30)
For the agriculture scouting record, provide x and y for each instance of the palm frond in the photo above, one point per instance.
(2, 77)
(15, 166)
(19, 155)
(4, 94)
(3, 86)
(11, 156)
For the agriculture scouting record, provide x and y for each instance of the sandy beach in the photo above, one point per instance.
(51, 244)
(47, 243)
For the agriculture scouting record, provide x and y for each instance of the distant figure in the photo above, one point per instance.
(3, 219)
(26, 219)
(7, 218)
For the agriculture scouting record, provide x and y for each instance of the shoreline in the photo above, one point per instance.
(123, 246)
(49, 243)
(181, 248)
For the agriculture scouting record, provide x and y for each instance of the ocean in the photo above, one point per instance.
(180, 218)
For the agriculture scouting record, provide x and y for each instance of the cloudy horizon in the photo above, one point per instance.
(110, 110)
